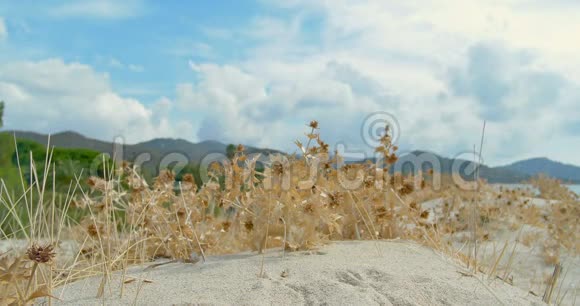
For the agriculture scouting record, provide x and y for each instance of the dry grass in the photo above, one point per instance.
(286, 206)
(529, 239)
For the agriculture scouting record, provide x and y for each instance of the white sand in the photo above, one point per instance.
(338, 274)
(528, 269)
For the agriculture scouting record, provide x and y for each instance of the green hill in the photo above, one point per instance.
(66, 163)
(9, 173)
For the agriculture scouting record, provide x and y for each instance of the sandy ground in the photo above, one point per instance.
(527, 270)
(341, 273)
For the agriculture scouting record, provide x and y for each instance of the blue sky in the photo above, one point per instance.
(257, 71)
(122, 38)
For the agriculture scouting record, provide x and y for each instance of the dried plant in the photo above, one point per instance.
(129, 221)
(40, 254)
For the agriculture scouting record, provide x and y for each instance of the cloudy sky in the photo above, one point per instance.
(256, 71)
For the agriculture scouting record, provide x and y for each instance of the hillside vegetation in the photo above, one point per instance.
(126, 220)
(8, 171)
(67, 163)
(159, 148)
(23, 167)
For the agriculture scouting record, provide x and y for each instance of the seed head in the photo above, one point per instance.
(323, 146)
(249, 225)
(226, 225)
(278, 169)
(95, 230)
(40, 254)
(188, 178)
(336, 199)
(392, 158)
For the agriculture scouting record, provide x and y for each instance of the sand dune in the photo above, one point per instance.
(361, 272)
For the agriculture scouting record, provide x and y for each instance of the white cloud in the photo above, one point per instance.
(117, 64)
(3, 31)
(185, 48)
(244, 104)
(52, 96)
(216, 33)
(109, 9)
(162, 108)
(135, 68)
(440, 67)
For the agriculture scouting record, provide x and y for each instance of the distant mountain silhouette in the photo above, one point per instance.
(535, 166)
(67, 139)
(465, 168)
(157, 148)
(195, 152)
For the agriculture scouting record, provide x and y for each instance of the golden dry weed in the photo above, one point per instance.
(285, 206)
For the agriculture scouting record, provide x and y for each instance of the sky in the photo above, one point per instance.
(256, 72)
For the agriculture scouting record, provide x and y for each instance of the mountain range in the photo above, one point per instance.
(158, 148)
(516, 172)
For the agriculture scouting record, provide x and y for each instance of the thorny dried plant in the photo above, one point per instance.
(40, 254)
(216, 220)
(240, 208)
(17, 275)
